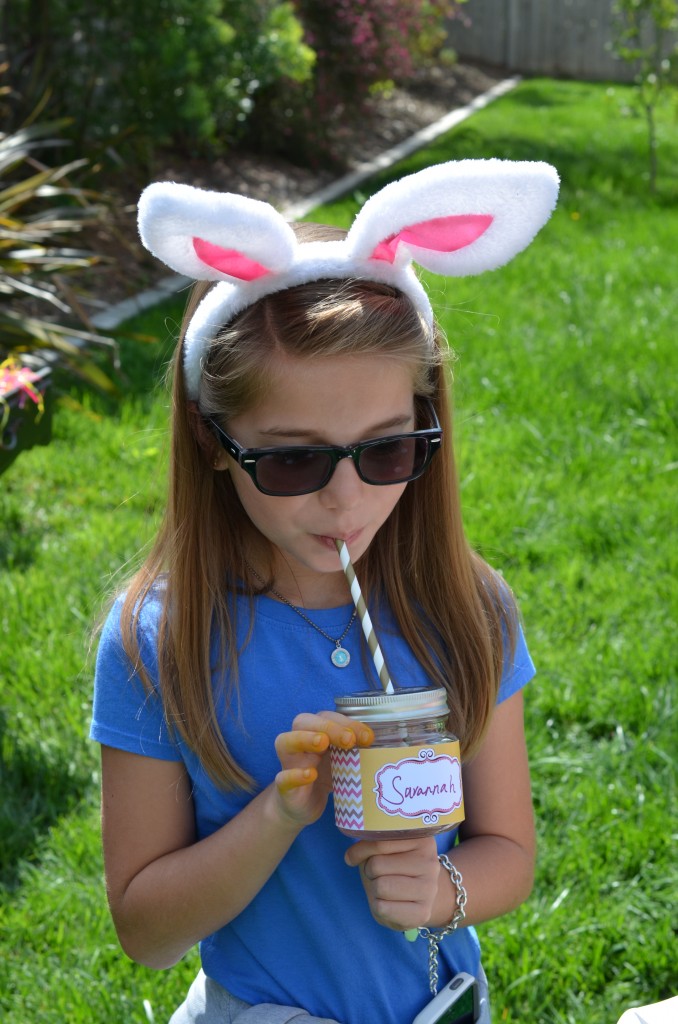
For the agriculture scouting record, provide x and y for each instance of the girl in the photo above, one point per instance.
(310, 399)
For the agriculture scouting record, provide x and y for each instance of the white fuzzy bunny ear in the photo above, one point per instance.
(213, 236)
(457, 218)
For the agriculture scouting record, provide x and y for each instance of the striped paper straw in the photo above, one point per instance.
(366, 621)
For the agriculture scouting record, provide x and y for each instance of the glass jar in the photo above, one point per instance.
(408, 782)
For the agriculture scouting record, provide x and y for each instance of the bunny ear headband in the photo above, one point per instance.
(458, 218)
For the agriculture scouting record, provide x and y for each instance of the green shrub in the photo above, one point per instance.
(159, 73)
(135, 77)
(359, 48)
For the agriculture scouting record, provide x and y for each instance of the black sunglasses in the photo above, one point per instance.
(304, 468)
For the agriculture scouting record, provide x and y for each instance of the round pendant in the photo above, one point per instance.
(340, 657)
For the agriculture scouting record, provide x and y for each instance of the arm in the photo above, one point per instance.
(166, 891)
(405, 884)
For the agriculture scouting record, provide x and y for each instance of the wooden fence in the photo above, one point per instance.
(558, 38)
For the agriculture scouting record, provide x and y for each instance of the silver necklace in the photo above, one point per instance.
(339, 657)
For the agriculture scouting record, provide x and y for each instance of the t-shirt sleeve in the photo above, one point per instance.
(125, 714)
(518, 671)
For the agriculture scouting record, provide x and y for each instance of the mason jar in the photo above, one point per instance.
(408, 782)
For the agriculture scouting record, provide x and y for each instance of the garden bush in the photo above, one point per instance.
(360, 47)
(137, 76)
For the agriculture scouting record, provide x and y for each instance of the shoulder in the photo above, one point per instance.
(140, 621)
(127, 712)
(518, 667)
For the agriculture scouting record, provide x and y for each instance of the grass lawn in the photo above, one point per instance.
(566, 431)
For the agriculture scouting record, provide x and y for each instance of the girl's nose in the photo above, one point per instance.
(344, 488)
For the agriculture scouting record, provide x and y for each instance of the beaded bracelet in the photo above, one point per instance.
(435, 936)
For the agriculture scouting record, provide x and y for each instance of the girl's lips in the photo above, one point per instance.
(348, 539)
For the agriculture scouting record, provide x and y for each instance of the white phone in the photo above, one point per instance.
(457, 1003)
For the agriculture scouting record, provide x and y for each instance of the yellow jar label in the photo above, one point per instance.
(396, 788)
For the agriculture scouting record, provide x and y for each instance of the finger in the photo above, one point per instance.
(364, 869)
(295, 778)
(342, 731)
(391, 896)
(364, 735)
(401, 917)
(365, 848)
(301, 742)
(405, 869)
(372, 870)
(358, 854)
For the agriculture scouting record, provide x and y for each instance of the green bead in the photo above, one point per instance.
(412, 934)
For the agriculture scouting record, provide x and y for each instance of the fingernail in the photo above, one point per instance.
(347, 738)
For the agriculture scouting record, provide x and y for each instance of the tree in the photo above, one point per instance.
(646, 37)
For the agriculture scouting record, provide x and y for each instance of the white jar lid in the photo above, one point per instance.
(414, 702)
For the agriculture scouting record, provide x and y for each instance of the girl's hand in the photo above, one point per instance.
(304, 784)
(400, 877)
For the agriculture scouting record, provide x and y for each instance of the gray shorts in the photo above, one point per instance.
(209, 1003)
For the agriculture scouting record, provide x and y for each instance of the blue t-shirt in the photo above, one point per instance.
(308, 938)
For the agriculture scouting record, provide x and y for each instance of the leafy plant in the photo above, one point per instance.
(40, 209)
(360, 48)
(140, 76)
(646, 38)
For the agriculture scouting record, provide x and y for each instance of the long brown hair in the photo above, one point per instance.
(450, 606)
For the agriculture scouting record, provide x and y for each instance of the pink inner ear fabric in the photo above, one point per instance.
(229, 261)
(440, 234)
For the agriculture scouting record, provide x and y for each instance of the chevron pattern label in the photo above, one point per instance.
(347, 787)
(396, 788)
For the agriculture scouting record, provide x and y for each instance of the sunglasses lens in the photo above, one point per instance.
(293, 471)
(394, 460)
